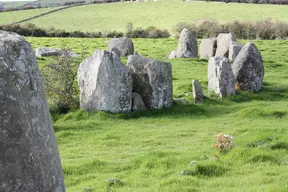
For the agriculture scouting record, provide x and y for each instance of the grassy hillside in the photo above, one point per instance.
(162, 14)
(14, 4)
(14, 16)
(155, 150)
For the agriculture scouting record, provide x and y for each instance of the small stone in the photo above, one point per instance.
(197, 92)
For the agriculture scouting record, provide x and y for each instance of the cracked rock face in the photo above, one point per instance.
(152, 79)
(29, 159)
(105, 83)
(248, 68)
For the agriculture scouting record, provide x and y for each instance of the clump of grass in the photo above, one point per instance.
(264, 158)
(280, 145)
(205, 169)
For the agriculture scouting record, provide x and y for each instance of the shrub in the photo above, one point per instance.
(59, 80)
(158, 33)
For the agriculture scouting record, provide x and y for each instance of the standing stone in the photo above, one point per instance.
(116, 53)
(123, 44)
(234, 49)
(197, 92)
(29, 158)
(248, 68)
(187, 45)
(208, 47)
(105, 83)
(152, 79)
(223, 44)
(221, 79)
(137, 102)
(172, 55)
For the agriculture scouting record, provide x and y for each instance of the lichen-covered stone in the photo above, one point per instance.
(105, 83)
(234, 50)
(152, 79)
(187, 45)
(221, 79)
(208, 47)
(123, 44)
(248, 68)
(29, 159)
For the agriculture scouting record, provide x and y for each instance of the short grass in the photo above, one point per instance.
(154, 150)
(14, 16)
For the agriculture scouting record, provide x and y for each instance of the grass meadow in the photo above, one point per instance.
(162, 14)
(170, 150)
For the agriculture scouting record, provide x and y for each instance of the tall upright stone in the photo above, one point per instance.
(221, 79)
(105, 83)
(187, 45)
(248, 68)
(208, 47)
(234, 50)
(223, 44)
(152, 79)
(197, 92)
(29, 158)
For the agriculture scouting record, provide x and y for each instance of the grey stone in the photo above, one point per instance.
(48, 52)
(234, 49)
(197, 92)
(248, 68)
(137, 102)
(172, 55)
(29, 158)
(105, 83)
(187, 45)
(208, 47)
(123, 44)
(223, 44)
(152, 79)
(221, 79)
(116, 53)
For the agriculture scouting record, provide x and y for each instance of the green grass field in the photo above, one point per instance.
(14, 16)
(150, 151)
(162, 14)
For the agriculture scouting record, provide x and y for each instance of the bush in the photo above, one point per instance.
(59, 80)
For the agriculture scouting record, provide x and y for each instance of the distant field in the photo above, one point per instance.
(14, 4)
(162, 14)
(13, 16)
(150, 151)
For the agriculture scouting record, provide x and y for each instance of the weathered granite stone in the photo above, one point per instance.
(248, 68)
(187, 45)
(197, 92)
(221, 79)
(123, 44)
(152, 79)
(208, 47)
(105, 83)
(29, 159)
(223, 44)
(234, 49)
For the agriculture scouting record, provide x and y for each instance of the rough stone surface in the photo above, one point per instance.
(105, 83)
(137, 102)
(172, 55)
(197, 92)
(221, 79)
(223, 44)
(48, 52)
(234, 49)
(123, 44)
(152, 79)
(208, 47)
(116, 53)
(187, 45)
(248, 68)
(29, 159)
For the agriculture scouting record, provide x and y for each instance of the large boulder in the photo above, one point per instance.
(248, 68)
(137, 102)
(187, 45)
(221, 79)
(123, 44)
(105, 83)
(223, 44)
(152, 79)
(208, 47)
(48, 52)
(234, 49)
(29, 158)
(197, 92)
